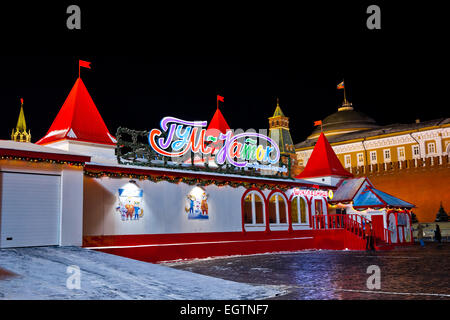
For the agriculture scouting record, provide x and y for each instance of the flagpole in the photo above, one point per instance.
(345, 99)
(79, 71)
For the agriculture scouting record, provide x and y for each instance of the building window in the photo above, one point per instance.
(299, 209)
(431, 147)
(401, 153)
(318, 207)
(348, 160)
(387, 155)
(278, 212)
(373, 157)
(360, 157)
(254, 209)
(415, 151)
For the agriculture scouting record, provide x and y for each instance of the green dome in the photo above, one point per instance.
(345, 119)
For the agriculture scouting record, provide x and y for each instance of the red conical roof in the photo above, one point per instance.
(323, 162)
(218, 122)
(78, 120)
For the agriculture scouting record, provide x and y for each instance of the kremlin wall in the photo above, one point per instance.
(425, 183)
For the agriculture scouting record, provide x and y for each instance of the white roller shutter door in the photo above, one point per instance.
(30, 209)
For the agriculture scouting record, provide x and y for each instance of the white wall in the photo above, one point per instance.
(71, 207)
(329, 180)
(100, 153)
(164, 208)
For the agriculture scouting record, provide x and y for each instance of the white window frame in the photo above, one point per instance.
(413, 148)
(360, 163)
(384, 155)
(429, 144)
(298, 211)
(254, 224)
(401, 158)
(372, 153)
(277, 210)
(348, 157)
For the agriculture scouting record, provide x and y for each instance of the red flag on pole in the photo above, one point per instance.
(219, 98)
(85, 64)
(21, 100)
(318, 123)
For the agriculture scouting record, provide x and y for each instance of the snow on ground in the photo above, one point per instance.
(42, 274)
(174, 263)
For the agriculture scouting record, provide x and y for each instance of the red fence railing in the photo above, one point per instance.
(354, 223)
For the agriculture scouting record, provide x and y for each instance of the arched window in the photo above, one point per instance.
(299, 213)
(294, 210)
(278, 211)
(254, 211)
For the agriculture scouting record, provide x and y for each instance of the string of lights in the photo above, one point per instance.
(51, 161)
(191, 181)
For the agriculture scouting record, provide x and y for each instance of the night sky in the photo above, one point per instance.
(158, 60)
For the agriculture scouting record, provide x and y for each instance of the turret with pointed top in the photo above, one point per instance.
(78, 120)
(279, 131)
(323, 165)
(218, 122)
(20, 134)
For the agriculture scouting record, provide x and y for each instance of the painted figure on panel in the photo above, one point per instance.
(196, 204)
(130, 199)
(204, 205)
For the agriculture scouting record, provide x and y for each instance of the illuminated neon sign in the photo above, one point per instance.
(313, 193)
(181, 137)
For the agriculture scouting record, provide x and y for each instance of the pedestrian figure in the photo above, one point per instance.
(368, 234)
(437, 234)
(420, 234)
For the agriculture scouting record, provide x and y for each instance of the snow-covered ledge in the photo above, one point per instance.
(99, 153)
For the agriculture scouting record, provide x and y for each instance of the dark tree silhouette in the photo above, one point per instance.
(441, 216)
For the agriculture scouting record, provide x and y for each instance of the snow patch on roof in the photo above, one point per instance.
(56, 133)
(71, 134)
(111, 137)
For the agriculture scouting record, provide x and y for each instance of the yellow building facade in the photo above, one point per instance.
(361, 143)
(411, 161)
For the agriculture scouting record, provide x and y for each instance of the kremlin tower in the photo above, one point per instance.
(20, 134)
(279, 131)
